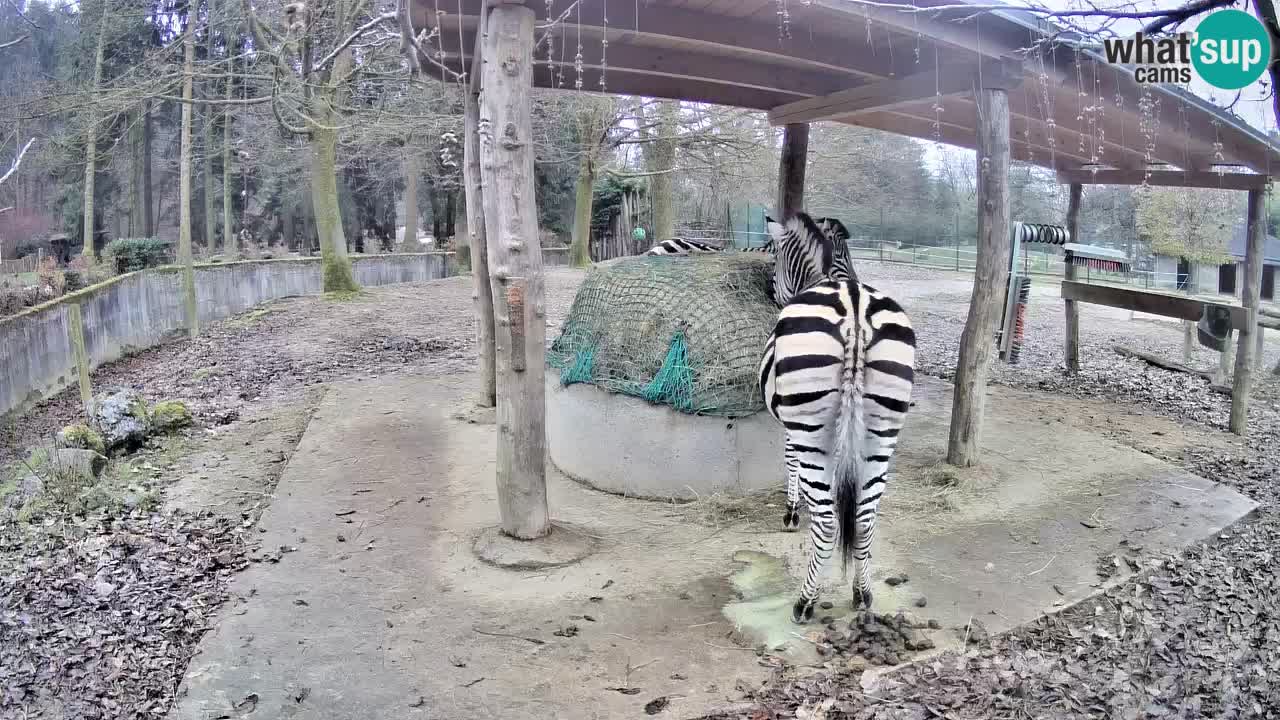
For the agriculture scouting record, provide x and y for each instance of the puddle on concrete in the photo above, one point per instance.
(762, 617)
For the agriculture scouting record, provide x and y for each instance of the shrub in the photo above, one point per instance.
(77, 274)
(169, 415)
(14, 300)
(138, 253)
(51, 279)
(83, 437)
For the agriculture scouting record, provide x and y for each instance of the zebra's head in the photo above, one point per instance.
(833, 229)
(804, 255)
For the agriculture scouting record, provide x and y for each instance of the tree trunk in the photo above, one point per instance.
(1188, 327)
(148, 206)
(450, 210)
(791, 168)
(992, 265)
(437, 229)
(135, 176)
(338, 276)
(1072, 353)
(483, 291)
(579, 251)
(663, 160)
(184, 185)
(91, 146)
(210, 227)
(410, 195)
(1250, 297)
(515, 256)
(228, 197)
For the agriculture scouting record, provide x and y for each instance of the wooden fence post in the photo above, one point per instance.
(791, 168)
(474, 189)
(1072, 354)
(515, 262)
(1250, 297)
(992, 266)
(75, 334)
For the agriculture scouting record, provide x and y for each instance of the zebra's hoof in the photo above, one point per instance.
(802, 611)
(791, 520)
(862, 599)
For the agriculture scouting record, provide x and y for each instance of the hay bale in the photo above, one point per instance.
(684, 331)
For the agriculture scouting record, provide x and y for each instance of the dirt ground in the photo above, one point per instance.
(1192, 637)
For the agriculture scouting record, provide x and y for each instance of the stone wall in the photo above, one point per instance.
(139, 310)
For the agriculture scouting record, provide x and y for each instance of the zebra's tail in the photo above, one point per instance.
(847, 466)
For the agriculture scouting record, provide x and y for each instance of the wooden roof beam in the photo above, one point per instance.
(790, 82)
(895, 92)
(953, 133)
(713, 33)
(1164, 178)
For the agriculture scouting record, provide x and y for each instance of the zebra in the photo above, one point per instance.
(840, 267)
(837, 373)
(681, 246)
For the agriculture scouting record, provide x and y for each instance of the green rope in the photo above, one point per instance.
(673, 383)
(579, 371)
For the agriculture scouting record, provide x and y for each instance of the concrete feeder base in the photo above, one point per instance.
(625, 445)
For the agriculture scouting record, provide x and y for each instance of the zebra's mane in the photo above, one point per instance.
(805, 255)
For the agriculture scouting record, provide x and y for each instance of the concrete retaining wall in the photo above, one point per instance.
(140, 309)
(628, 446)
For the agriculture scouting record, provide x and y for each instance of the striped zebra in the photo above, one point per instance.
(681, 246)
(838, 266)
(837, 373)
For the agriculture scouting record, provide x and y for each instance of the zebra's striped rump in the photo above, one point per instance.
(680, 246)
(837, 373)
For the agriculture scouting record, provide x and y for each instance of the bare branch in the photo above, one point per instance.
(1181, 14)
(324, 61)
(17, 161)
(21, 14)
(11, 43)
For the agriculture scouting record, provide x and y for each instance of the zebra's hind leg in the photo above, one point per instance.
(791, 518)
(868, 509)
(822, 535)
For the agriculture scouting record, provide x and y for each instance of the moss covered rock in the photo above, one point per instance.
(81, 437)
(169, 416)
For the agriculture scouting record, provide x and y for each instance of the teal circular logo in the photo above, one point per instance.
(1231, 49)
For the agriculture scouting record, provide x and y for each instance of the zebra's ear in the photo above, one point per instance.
(775, 229)
(833, 228)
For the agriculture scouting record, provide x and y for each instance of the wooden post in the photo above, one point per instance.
(1250, 297)
(481, 292)
(992, 265)
(75, 334)
(515, 262)
(1225, 359)
(1072, 354)
(791, 168)
(1258, 347)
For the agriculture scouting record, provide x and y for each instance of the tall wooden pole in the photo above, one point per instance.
(482, 292)
(994, 246)
(1072, 354)
(185, 257)
(515, 261)
(1250, 297)
(791, 168)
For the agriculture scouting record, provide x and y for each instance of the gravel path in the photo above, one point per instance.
(1190, 636)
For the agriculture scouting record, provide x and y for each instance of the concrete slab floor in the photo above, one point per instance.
(382, 610)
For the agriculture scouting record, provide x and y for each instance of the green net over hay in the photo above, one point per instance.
(684, 331)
